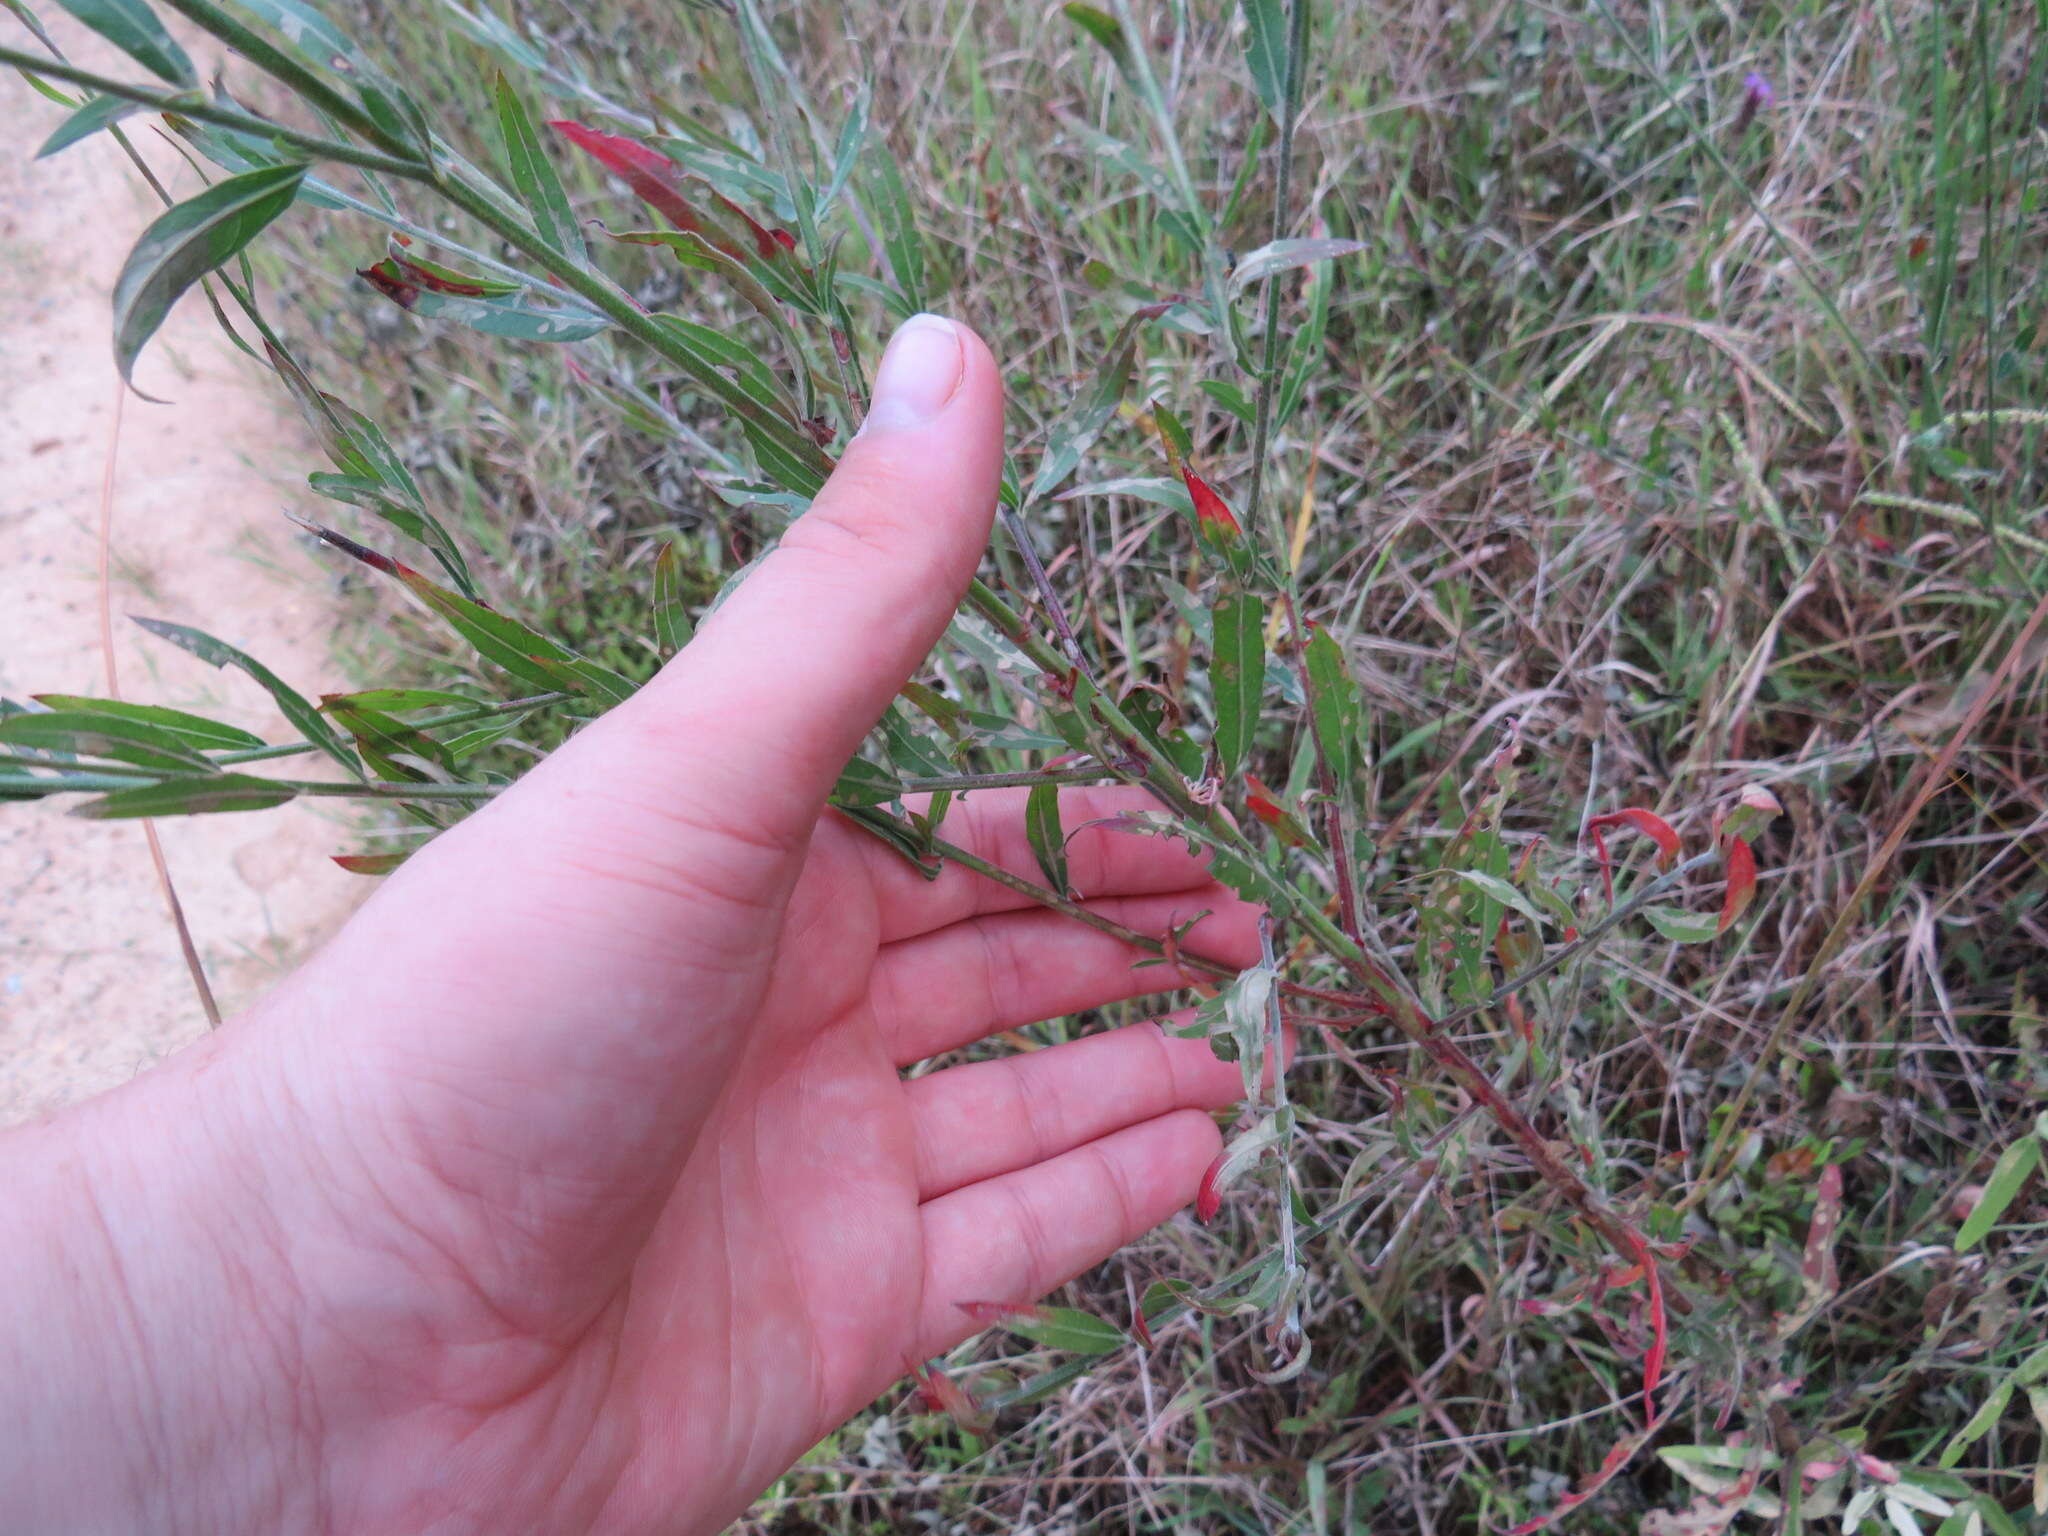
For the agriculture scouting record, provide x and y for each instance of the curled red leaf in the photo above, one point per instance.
(1209, 1198)
(1650, 824)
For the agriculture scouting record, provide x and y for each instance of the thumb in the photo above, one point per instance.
(748, 728)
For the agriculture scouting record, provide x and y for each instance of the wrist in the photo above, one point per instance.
(138, 1322)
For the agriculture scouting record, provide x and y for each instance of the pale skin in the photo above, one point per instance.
(579, 1183)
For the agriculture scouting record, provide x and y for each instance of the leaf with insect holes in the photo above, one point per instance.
(194, 730)
(292, 704)
(863, 783)
(1061, 1328)
(1107, 31)
(189, 797)
(496, 638)
(1740, 861)
(140, 743)
(1335, 703)
(1042, 831)
(1237, 675)
(2009, 1176)
(1285, 256)
(188, 241)
(1681, 926)
(534, 177)
(98, 113)
(132, 27)
(1074, 433)
(1265, 51)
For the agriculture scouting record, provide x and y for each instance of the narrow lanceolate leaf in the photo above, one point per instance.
(136, 742)
(1650, 824)
(1337, 713)
(290, 702)
(1238, 675)
(1075, 432)
(132, 27)
(498, 639)
(371, 863)
(1042, 830)
(2008, 1177)
(671, 618)
(193, 730)
(1062, 1328)
(189, 797)
(189, 241)
(1265, 51)
(686, 202)
(1284, 256)
(1681, 926)
(1107, 31)
(98, 112)
(533, 175)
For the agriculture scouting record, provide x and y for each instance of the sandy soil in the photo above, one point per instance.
(92, 986)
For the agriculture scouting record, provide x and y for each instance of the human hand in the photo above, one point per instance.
(576, 1185)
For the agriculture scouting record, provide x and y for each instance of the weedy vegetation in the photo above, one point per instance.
(1549, 497)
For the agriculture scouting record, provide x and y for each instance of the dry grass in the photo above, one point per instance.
(1645, 432)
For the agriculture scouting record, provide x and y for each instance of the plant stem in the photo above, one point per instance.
(191, 104)
(1297, 48)
(274, 61)
(1028, 777)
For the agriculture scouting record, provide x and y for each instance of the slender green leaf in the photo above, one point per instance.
(189, 797)
(1062, 1328)
(132, 27)
(119, 740)
(1284, 256)
(1107, 31)
(671, 618)
(1238, 675)
(2008, 1177)
(194, 730)
(1681, 926)
(189, 241)
(1980, 1424)
(1501, 891)
(1337, 712)
(387, 742)
(1265, 51)
(1042, 831)
(533, 174)
(304, 718)
(98, 112)
(1075, 432)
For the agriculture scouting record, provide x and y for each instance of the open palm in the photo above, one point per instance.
(577, 1184)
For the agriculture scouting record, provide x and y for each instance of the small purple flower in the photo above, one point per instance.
(1756, 95)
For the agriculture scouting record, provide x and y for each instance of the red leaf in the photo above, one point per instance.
(1660, 1339)
(1650, 824)
(651, 174)
(1209, 1199)
(939, 1393)
(389, 281)
(369, 863)
(1741, 862)
(1211, 511)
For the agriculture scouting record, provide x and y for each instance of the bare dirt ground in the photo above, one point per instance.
(92, 985)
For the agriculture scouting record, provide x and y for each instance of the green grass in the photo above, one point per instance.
(1628, 427)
